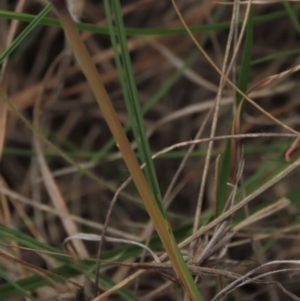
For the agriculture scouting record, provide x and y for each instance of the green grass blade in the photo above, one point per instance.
(130, 94)
(41, 136)
(22, 36)
(143, 31)
(165, 87)
(67, 270)
(275, 56)
(246, 61)
(161, 224)
(18, 288)
(153, 100)
(290, 12)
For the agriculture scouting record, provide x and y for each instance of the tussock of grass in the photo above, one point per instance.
(216, 164)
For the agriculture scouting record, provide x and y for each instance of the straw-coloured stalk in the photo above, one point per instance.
(161, 224)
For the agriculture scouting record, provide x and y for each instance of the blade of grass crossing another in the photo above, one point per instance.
(67, 270)
(144, 31)
(135, 113)
(290, 12)
(226, 163)
(152, 101)
(16, 286)
(165, 87)
(161, 224)
(22, 36)
(129, 89)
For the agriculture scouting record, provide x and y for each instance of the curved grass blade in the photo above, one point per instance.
(67, 270)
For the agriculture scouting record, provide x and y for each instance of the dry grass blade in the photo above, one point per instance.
(190, 74)
(51, 186)
(75, 218)
(3, 118)
(76, 8)
(261, 214)
(236, 124)
(217, 243)
(3, 76)
(153, 206)
(237, 136)
(211, 225)
(266, 81)
(246, 278)
(226, 78)
(257, 2)
(262, 1)
(235, 130)
(168, 269)
(242, 203)
(214, 122)
(188, 110)
(94, 237)
(47, 188)
(209, 248)
(59, 202)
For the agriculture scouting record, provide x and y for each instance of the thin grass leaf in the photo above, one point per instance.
(225, 167)
(262, 175)
(243, 85)
(174, 78)
(18, 288)
(144, 31)
(35, 282)
(228, 163)
(291, 13)
(275, 56)
(57, 199)
(22, 36)
(60, 152)
(165, 87)
(130, 94)
(174, 154)
(161, 224)
(68, 270)
(246, 61)
(271, 168)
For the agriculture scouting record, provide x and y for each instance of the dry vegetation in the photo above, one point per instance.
(249, 252)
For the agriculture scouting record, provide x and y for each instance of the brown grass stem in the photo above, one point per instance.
(161, 224)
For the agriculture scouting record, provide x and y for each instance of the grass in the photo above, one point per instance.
(62, 173)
